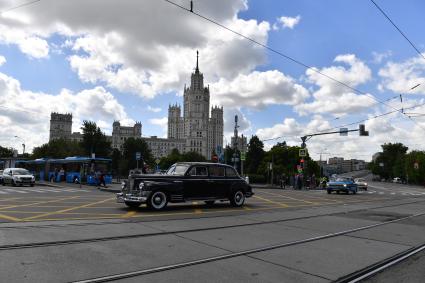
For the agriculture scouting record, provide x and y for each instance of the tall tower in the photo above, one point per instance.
(175, 130)
(196, 113)
(60, 126)
(216, 130)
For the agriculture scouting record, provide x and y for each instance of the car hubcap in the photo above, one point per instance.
(239, 197)
(158, 200)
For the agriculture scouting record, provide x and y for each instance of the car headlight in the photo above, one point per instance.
(141, 185)
(365, 184)
(123, 185)
(33, 178)
(16, 178)
(345, 185)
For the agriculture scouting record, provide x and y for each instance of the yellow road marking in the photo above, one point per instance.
(68, 209)
(305, 201)
(35, 203)
(270, 201)
(9, 218)
(128, 214)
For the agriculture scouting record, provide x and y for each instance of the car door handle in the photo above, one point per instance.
(178, 181)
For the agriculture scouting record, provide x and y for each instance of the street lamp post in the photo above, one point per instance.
(23, 144)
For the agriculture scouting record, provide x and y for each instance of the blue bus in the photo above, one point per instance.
(70, 169)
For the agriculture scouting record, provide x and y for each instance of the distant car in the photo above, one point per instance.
(361, 183)
(186, 181)
(397, 180)
(342, 184)
(17, 177)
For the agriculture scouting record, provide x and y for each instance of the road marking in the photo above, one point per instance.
(9, 218)
(270, 201)
(39, 202)
(69, 209)
(129, 214)
(305, 201)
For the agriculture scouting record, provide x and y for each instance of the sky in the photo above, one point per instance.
(107, 60)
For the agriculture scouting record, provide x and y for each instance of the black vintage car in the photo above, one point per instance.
(186, 181)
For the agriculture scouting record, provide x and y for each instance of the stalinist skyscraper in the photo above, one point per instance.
(199, 131)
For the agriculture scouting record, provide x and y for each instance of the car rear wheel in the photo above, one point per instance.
(329, 191)
(13, 183)
(158, 200)
(238, 198)
(209, 202)
(132, 204)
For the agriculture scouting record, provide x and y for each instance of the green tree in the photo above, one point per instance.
(130, 147)
(173, 157)
(255, 155)
(58, 148)
(415, 167)
(393, 160)
(5, 152)
(192, 156)
(94, 140)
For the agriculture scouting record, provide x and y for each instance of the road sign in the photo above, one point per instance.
(343, 131)
(303, 152)
(93, 155)
(138, 155)
(157, 161)
(219, 149)
(416, 165)
(243, 155)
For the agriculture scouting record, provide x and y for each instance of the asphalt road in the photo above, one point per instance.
(69, 234)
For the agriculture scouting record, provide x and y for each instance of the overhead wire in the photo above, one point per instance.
(19, 6)
(398, 29)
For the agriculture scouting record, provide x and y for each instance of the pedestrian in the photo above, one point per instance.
(296, 180)
(102, 179)
(283, 181)
(300, 181)
(313, 182)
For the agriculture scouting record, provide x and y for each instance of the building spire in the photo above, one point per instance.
(197, 67)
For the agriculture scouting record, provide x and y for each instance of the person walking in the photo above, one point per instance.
(102, 180)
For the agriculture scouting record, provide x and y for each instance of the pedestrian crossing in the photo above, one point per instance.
(393, 193)
(27, 190)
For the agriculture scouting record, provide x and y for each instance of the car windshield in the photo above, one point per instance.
(360, 180)
(20, 172)
(340, 179)
(177, 169)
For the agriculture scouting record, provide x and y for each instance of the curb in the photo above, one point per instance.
(109, 190)
(48, 185)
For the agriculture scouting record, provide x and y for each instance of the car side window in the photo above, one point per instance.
(198, 171)
(216, 171)
(230, 172)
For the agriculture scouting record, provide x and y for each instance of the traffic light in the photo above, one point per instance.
(362, 131)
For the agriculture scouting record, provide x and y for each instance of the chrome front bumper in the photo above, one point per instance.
(123, 198)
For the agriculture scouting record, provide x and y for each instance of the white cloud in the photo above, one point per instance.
(27, 114)
(287, 22)
(378, 57)
(399, 77)
(154, 109)
(30, 44)
(331, 96)
(258, 89)
(161, 122)
(2, 60)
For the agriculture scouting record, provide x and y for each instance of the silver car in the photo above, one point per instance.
(361, 183)
(18, 177)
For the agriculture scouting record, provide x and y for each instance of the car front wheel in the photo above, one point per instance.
(157, 201)
(209, 202)
(237, 199)
(329, 191)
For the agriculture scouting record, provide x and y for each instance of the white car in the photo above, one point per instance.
(361, 183)
(18, 177)
(396, 180)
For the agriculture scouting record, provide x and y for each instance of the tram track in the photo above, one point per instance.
(380, 266)
(366, 272)
(181, 231)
